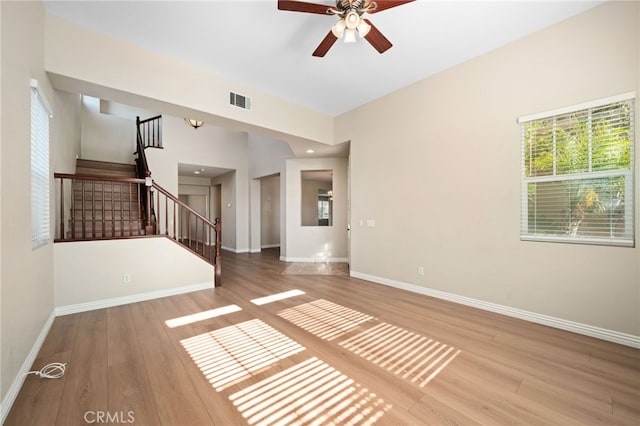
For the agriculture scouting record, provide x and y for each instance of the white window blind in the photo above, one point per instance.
(577, 174)
(40, 223)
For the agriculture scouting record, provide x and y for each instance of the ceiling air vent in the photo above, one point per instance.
(239, 100)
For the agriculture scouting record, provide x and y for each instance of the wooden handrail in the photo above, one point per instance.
(97, 178)
(183, 205)
(183, 224)
(190, 229)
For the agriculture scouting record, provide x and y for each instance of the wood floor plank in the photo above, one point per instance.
(39, 399)
(177, 400)
(214, 357)
(130, 393)
(86, 379)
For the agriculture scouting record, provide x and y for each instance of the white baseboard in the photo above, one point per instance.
(117, 301)
(14, 389)
(575, 327)
(266, 246)
(315, 259)
(232, 250)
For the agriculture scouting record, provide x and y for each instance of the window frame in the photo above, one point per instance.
(629, 177)
(40, 181)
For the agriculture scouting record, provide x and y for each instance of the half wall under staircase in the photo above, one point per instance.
(106, 200)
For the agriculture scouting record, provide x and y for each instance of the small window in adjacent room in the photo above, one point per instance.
(40, 114)
(577, 174)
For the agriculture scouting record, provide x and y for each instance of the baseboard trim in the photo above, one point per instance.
(141, 297)
(236, 251)
(14, 389)
(315, 259)
(266, 246)
(575, 327)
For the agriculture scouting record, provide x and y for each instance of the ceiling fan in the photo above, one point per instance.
(351, 21)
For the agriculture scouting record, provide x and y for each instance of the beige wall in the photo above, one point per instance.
(93, 270)
(208, 146)
(270, 211)
(71, 52)
(437, 166)
(27, 297)
(315, 243)
(106, 137)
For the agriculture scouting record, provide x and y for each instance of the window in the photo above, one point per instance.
(40, 114)
(577, 174)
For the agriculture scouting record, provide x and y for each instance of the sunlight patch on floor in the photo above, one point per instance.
(229, 355)
(275, 297)
(311, 392)
(325, 319)
(201, 316)
(404, 353)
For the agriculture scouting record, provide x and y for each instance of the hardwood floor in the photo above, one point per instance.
(332, 349)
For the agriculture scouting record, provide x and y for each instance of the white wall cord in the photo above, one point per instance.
(54, 370)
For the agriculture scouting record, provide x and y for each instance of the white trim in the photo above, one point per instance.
(134, 298)
(45, 101)
(14, 389)
(255, 250)
(579, 107)
(232, 250)
(315, 259)
(619, 242)
(575, 327)
(265, 246)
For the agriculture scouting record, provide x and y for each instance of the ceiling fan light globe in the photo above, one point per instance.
(338, 28)
(363, 28)
(350, 35)
(352, 20)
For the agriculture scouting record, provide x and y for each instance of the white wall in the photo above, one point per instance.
(208, 146)
(106, 137)
(437, 166)
(27, 298)
(315, 243)
(73, 54)
(92, 271)
(270, 211)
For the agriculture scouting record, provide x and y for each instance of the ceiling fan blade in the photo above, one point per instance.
(377, 39)
(388, 4)
(300, 6)
(325, 45)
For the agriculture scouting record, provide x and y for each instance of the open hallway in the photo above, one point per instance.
(271, 348)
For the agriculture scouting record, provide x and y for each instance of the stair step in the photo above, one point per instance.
(109, 206)
(89, 234)
(105, 168)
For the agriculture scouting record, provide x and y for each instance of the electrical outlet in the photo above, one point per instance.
(420, 270)
(126, 278)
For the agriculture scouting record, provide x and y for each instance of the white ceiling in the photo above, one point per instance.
(254, 43)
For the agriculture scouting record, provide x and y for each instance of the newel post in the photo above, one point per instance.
(218, 265)
(148, 229)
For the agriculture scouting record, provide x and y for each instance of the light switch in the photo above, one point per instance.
(371, 223)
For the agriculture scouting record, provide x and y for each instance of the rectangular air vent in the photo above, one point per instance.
(239, 100)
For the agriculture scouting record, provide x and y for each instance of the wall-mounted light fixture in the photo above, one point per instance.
(193, 123)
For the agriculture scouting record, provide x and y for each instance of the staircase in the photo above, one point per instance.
(107, 208)
(106, 200)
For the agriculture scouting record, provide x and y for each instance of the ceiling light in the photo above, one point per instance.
(363, 28)
(193, 123)
(310, 151)
(338, 28)
(352, 20)
(348, 25)
(349, 35)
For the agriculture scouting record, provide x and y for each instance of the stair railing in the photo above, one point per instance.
(182, 224)
(149, 134)
(95, 207)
